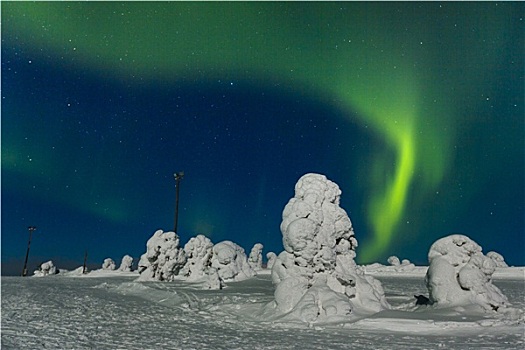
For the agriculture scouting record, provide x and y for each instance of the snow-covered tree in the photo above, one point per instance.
(126, 264)
(163, 258)
(255, 257)
(271, 257)
(198, 253)
(45, 269)
(394, 261)
(109, 264)
(459, 274)
(316, 277)
(231, 262)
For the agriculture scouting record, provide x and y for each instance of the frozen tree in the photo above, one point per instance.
(271, 256)
(198, 253)
(231, 262)
(163, 258)
(255, 258)
(498, 259)
(316, 277)
(394, 261)
(45, 269)
(126, 264)
(459, 274)
(109, 264)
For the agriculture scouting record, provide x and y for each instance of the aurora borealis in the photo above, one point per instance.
(414, 109)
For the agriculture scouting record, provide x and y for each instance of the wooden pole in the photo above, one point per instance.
(84, 267)
(31, 229)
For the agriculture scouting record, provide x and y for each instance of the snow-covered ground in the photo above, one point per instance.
(112, 311)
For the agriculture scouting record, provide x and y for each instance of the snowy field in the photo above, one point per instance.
(114, 312)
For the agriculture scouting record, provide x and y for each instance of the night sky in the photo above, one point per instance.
(416, 110)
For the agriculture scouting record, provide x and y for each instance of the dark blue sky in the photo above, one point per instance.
(99, 111)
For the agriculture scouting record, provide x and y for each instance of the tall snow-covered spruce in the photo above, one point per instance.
(316, 278)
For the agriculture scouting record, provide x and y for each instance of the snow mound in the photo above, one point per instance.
(47, 268)
(109, 264)
(255, 257)
(271, 257)
(231, 262)
(460, 274)
(126, 264)
(316, 277)
(497, 258)
(163, 258)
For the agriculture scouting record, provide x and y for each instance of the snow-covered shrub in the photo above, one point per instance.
(394, 261)
(316, 277)
(255, 257)
(163, 258)
(47, 268)
(406, 262)
(109, 264)
(459, 274)
(126, 264)
(198, 253)
(231, 262)
(498, 259)
(271, 257)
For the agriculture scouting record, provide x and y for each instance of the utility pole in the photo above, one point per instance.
(31, 229)
(178, 176)
(84, 267)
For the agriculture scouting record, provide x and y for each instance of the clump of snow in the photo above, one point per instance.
(231, 262)
(316, 277)
(109, 264)
(126, 264)
(497, 258)
(460, 274)
(271, 257)
(163, 258)
(255, 257)
(45, 269)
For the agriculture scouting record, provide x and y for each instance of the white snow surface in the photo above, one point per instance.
(316, 277)
(117, 312)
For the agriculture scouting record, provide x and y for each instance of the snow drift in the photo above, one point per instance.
(316, 278)
(460, 274)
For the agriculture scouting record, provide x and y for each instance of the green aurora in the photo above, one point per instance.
(373, 60)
